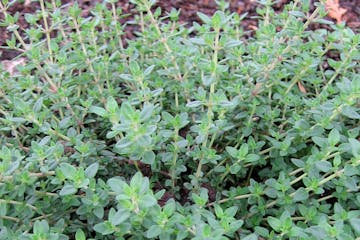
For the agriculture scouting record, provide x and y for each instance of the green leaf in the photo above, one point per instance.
(323, 21)
(252, 236)
(298, 232)
(98, 110)
(351, 184)
(80, 235)
(262, 231)
(68, 189)
(300, 195)
(111, 105)
(99, 211)
(320, 141)
(207, 80)
(235, 168)
(334, 64)
(149, 69)
(355, 147)
(323, 166)
(218, 211)
(38, 105)
(136, 180)
(148, 157)
(350, 170)
(216, 20)
(298, 14)
(198, 200)
(334, 137)
(123, 143)
(198, 41)
(116, 185)
(236, 225)
(194, 104)
(355, 223)
(350, 112)
(148, 201)
(41, 227)
(170, 207)
(119, 217)
(153, 231)
(232, 151)
(134, 68)
(127, 112)
(146, 112)
(231, 211)
(204, 18)
(250, 158)
(68, 170)
(243, 151)
(91, 170)
(105, 228)
(74, 10)
(297, 162)
(233, 43)
(274, 223)
(3, 209)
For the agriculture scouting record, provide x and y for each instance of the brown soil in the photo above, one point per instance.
(189, 8)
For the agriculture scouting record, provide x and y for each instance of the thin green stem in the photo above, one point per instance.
(47, 30)
(116, 20)
(37, 175)
(164, 41)
(239, 197)
(338, 70)
(210, 113)
(19, 203)
(88, 61)
(175, 156)
(14, 219)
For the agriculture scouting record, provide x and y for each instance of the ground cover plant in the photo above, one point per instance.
(183, 132)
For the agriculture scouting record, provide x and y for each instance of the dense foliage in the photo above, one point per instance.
(184, 132)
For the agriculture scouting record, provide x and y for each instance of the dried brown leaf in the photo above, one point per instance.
(334, 10)
(257, 89)
(301, 87)
(10, 66)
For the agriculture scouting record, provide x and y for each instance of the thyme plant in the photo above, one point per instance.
(198, 131)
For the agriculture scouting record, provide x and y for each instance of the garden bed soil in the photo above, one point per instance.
(189, 9)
